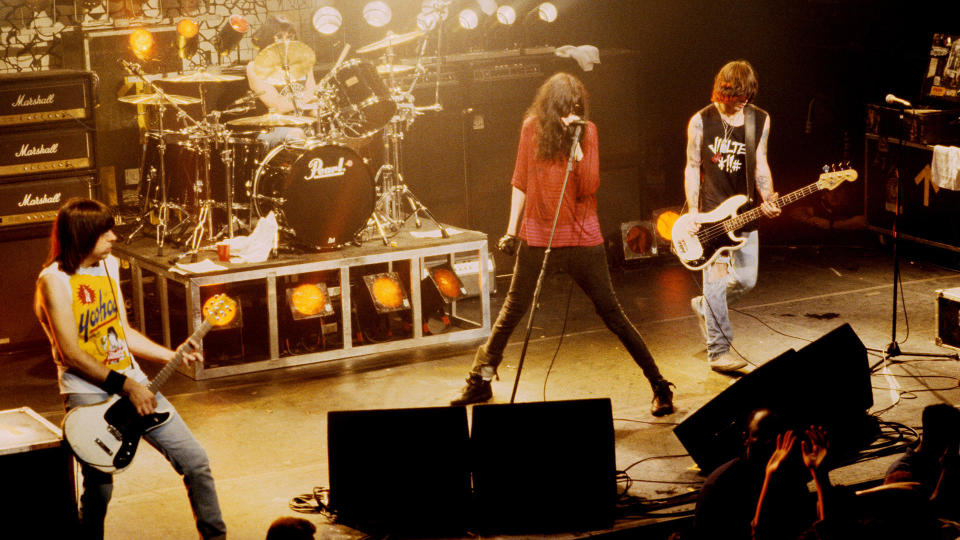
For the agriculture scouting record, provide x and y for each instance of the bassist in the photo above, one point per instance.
(726, 156)
(82, 312)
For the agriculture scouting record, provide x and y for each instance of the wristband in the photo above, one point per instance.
(114, 382)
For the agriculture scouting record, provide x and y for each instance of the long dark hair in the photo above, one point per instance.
(559, 96)
(78, 226)
(735, 81)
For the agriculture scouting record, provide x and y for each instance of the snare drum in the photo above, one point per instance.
(322, 194)
(363, 100)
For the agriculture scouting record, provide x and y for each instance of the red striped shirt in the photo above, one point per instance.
(542, 182)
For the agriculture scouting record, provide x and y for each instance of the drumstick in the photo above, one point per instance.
(343, 54)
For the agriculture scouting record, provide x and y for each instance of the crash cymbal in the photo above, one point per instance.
(158, 99)
(392, 40)
(201, 76)
(384, 69)
(271, 120)
(294, 57)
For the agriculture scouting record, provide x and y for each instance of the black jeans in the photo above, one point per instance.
(588, 268)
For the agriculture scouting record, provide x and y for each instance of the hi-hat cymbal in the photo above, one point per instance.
(202, 76)
(158, 99)
(272, 120)
(383, 69)
(392, 40)
(294, 57)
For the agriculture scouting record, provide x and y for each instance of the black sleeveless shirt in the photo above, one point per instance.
(723, 160)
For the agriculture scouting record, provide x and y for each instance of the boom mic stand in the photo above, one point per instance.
(546, 257)
(893, 348)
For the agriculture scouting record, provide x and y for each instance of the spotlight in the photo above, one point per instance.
(222, 311)
(547, 12)
(638, 239)
(469, 19)
(377, 13)
(187, 38)
(309, 300)
(230, 33)
(327, 20)
(445, 281)
(489, 7)
(506, 15)
(141, 43)
(664, 218)
(432, 13)
(387, 292)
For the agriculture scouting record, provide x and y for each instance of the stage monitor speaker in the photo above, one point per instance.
(400, 471)
(544, 467)
(827, 383)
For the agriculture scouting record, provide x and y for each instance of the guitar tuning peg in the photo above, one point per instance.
(826, 168)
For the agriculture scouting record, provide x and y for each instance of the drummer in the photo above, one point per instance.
(279, 97)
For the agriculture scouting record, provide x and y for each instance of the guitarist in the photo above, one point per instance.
(82, 312)
(726, 156)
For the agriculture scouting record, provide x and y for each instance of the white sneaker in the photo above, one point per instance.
(726, 363)
(695, 304)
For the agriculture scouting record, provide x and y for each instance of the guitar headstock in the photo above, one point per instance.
(832, 177)
(219, 310)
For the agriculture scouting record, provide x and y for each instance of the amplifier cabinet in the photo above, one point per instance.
(43, 97)
(33, 203)
(947, 318)
(43, 152)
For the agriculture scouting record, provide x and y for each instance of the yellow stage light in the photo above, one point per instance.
(227, 314)
(664, 220)
(141, 43)
(387, 292)
(309, 300)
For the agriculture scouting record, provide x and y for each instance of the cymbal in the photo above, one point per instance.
(202, 77)
(272, 120)
(158, 99)
(383, 69)
(294, 57)
(392, 40)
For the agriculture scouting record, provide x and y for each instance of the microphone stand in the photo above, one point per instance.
(546, 257)
(893, 348)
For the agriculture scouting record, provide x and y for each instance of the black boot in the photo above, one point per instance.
(477, 390)
(662, 399)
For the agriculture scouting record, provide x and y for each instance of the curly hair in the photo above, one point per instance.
(736, 81)
(559, 96)
(78, 226)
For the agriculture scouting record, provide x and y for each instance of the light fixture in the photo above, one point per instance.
(309, 300)
(327, 20)
(228, 314)
(377, 13)
(469, 19)
(141, 43)
(432, 13)
(663, 219)
(387, 292)
(187, 38)
(440, 287)
(547, 12)
(638, 239)
(506, 15)
(230, 33)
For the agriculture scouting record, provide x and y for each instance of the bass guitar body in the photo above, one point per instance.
(698, 250)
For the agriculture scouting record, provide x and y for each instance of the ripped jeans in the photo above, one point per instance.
(724, 286)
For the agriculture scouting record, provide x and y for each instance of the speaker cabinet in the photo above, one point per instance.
(23, 252)
(400, 471)
(826, 383)
(542, 467)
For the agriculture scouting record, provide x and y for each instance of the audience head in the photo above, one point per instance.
(291, 528)
(941, 428)
(763, 427)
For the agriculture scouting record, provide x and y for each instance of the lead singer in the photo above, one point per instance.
(577, 248)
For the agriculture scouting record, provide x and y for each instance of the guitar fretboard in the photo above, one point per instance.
(172, 365)
(753, 214)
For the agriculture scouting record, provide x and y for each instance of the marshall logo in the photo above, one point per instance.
(24, 101)
(317, 170)
(32, 200)
(26, 150)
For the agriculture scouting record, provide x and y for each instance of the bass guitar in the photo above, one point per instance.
(717, 233)
(105, 435)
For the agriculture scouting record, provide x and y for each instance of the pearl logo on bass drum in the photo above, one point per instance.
(317, 170)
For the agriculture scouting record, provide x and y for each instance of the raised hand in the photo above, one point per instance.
(785, 442)
(814, 450)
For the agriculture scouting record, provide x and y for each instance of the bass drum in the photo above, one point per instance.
(322, 194)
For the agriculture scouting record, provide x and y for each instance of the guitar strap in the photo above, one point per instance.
(750, 140)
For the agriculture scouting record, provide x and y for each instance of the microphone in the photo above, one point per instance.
(894, 100)
(573, 120)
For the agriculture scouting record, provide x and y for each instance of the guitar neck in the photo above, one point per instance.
(172, 365)
(754, 214)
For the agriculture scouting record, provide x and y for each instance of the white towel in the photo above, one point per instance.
(945, 168)
(585, 55)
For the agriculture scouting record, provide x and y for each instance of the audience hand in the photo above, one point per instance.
(814, 451)
(785, 442)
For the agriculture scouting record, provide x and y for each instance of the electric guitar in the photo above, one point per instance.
(105, 435)
(718, 227)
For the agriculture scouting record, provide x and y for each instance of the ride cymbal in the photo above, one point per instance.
(201, 76)
(271, 120)
(294, 58)
(158, 99)
(392, 40)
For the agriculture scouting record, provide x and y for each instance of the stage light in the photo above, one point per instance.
(187, 38)
(432, 13)
(469, 19)
(638, 239)
(230, 33)
(387, 292)
(377, 13)
(226, 313)
(327, 20)
(309, 300)
(506, 15)
(141, 43)
(488, 7)
(664, 218)
(547, 12)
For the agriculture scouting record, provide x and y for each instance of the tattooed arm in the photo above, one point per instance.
(691, 173)
(764, 178)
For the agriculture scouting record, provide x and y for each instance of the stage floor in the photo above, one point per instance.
(266, 432)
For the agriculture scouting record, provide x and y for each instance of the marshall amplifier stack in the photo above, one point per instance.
(47, 142)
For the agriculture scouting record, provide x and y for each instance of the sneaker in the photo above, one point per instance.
(726, 363)
(662, 399)
(695, 303)
(477, 390)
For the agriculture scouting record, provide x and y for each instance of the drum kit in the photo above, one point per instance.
(211, 179)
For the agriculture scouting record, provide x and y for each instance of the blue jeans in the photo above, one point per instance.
(720, 290)
(175, 441)
(588, 268)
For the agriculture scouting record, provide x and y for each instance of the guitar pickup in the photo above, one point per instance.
(103, 446)
(115, 432)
